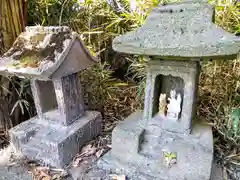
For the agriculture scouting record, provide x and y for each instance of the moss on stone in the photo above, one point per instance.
(32, 57)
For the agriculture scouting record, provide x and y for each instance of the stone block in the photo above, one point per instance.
(14, 172)
(54, 144)
(127, 134)
(69, 98)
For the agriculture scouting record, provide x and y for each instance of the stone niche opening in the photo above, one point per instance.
(168, 96)
(47, 96)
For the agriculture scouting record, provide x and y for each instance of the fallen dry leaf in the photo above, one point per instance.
(88, 150)
(99, 153)
(44, 176)
(56, 177)
(109, 146)
(33, 65)
(59, 176)
(118, 177)
(41, 173)
(77, 161)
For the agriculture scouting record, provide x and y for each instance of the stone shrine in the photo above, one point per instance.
(165, 142)
(52, 57)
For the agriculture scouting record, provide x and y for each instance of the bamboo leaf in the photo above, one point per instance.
(235, 115)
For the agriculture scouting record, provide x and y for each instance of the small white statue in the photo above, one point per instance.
(162, 108)
(174, 105)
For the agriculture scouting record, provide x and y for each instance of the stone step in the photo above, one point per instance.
(139, 167)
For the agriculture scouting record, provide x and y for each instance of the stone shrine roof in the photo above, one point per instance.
(180, 30)
(40, 51)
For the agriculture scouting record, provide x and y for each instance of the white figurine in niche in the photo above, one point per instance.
(162, 108)
(174, 105)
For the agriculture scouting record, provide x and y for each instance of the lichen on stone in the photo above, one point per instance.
(30, 49)
(169, 158)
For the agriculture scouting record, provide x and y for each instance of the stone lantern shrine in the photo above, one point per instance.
(164, 141)
(51, 58)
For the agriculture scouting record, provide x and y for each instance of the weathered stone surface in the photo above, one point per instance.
(44, 96)
(183, 29)
(69, 98)
(12, 166)
(54, 144)
(78, 172)
(217, 172)
(15, 172)
(128, 135)
(186, 71)
(20, 172)
(60, 100)
(194, 154)
(100, 174)
(39, 52)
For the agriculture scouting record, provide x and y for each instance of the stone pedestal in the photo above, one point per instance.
(52, 143)
(142, 157)
(62, 126)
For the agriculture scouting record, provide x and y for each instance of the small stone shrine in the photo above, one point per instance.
(164, 142)
(52, 57)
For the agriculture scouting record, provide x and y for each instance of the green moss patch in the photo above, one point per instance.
(33, 57)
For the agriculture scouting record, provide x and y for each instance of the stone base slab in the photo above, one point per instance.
(147, 162)
(100, 174)
(52, 143)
